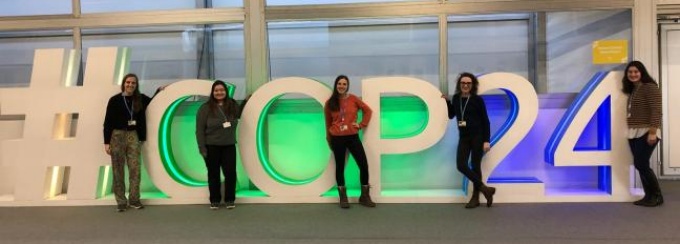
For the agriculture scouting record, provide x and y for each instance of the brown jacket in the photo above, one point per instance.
(644, 106)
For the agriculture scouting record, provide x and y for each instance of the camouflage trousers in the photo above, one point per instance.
(125, 148)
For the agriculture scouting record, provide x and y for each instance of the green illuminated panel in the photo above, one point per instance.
(402, 117)
(165, 147)
(431, 172)
(104, 181)
(304, 129)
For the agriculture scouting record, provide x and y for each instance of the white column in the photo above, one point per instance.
(257, 50)
(644, 35)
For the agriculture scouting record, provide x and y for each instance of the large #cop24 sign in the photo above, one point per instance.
(50, 93)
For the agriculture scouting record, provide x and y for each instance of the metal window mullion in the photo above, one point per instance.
(443, 54)
(300, 12)
(125, 19)
(210, 60)
(402, 9)
(77, 39)
(668, 9)
(75, 8)
(78, 46)
(533, 50)
(203, 3)
(350, 11)
(541, 46)
(203, 38)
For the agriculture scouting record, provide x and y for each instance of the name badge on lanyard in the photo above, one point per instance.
(131, 110)
(343, 126)
(226, 123)
(462, 122)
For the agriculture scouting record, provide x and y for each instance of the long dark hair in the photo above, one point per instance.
(229, 107)
(475, 83)
(333, 102)
(628, 85)
(136, 95)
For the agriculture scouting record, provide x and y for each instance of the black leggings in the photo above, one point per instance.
(471, 145)
(339, 146)
(642, 151)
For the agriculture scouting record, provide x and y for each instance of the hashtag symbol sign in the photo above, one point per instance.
(52, 91)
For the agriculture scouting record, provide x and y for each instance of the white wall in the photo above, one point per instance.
(9, 129)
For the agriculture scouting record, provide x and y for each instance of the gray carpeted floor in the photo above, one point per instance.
(326, 223)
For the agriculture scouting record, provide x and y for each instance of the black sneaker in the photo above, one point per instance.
(231, 205)
(121, 208)
(137, 205)
(215, 206)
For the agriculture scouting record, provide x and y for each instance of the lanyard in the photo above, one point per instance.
(219, 107)
(342, 111)
(630, 101)
(462, 109)
(130, 108)
(342, 114)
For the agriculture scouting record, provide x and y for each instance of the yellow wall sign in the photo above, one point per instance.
(610, 52)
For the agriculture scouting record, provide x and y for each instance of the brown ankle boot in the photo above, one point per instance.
(474, 200)
(488, 194)
(365, 198)
(342, 193)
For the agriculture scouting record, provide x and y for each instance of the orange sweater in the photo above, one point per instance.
(339, 123)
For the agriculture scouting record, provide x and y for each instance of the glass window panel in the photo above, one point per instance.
(17, 51)
(358, 48)
(34, 7)
(569, 38)
(99, 6)
(307, 2)
(163, 55)
(487, 46)
(227, 3)
(229, 53)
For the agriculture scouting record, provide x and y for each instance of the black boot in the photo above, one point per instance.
(653, 196)
(474, 200)
(653, 201)
(642, 201)
(658, 197)
(342, 193)
(659, 200)
(648, 194)
(488, 194)
(365, 198)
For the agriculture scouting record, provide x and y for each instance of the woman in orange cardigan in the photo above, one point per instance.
(342, 131)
